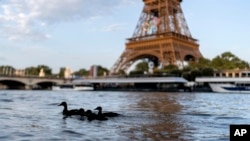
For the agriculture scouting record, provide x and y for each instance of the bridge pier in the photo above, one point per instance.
(3, 87)
(28, 87)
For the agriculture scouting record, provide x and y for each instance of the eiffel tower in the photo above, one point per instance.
(162, 36)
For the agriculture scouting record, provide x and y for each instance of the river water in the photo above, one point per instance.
(146, 116)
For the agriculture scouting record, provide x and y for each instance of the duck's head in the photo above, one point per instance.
(63, 104)
(88, 112)
(98, 108)
(81, 111)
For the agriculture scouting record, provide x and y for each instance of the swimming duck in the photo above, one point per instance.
(67, 112)
(107, 114)
(81, 112)
(91, 116)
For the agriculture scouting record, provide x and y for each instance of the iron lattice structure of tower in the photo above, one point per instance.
(161, 35)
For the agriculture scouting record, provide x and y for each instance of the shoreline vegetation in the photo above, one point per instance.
(193, 69)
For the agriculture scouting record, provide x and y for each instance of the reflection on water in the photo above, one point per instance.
(34, 115)
(166, 125)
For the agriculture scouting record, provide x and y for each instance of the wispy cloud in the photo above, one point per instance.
(29, 19)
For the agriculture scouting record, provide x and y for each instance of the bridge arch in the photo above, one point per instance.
(12, 84)
(45, 84)
(14, 79)
(29, 82)
(47, 81)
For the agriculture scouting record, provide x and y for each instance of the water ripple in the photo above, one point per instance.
(71, 132)
(6, 100)
(34, 115)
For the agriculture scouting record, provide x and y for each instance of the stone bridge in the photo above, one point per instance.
(17, 82)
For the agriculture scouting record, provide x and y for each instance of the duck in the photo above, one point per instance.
(81, 112)
(67, 112)
(90, 115)
(107, 114)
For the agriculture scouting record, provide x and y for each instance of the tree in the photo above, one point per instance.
(47, 70)
(7, 70)
(171, 70)
(140, 69)
(142, 66)
(61, 72)
(176, 72)
(187, 69)
(194, 74)
(136, 73)
(207, 72)
(34, 71)
(227, 60)
(102, 70)
(202, 63)
(187, 76)
(81, 72)
(170, 67)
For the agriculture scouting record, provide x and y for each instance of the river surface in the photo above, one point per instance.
(145, 116)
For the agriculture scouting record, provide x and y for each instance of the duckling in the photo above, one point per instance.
(81, 112)
(107, 114)
(91, 116)
(67, 112)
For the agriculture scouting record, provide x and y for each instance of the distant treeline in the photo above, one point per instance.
(202, 67)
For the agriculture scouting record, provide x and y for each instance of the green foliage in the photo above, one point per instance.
(172, 70)
(142, 67)
(203, 67)
(206, 67)
(61, 72)
(207, 72)
(81, 72)
(8, 70)
(102, 70)
(187, 76)
(159, 72)
(170, 67)
(176, 72)
(47, 70)
(194, 74)
(202, 63)
(187, 69)
(136, 73)
(34, 71)
(228, 60)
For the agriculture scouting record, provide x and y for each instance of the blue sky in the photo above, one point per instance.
(80, 33)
